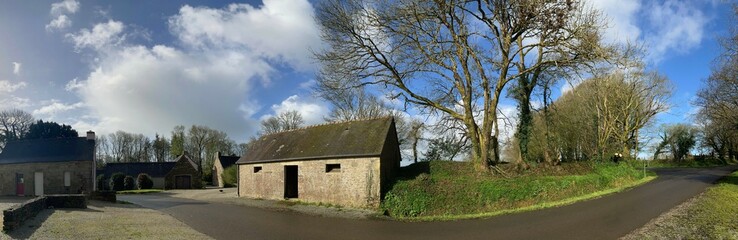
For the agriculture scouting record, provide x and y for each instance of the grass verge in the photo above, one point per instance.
(139, 191)
(452, 190)
(694, 162)
(711, 215)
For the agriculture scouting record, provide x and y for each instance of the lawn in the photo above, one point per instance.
(444, 190)
(140, 191)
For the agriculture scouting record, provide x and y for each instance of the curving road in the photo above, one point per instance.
(609, 217)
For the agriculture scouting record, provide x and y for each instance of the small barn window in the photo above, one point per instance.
(257, 169)
(333, 167)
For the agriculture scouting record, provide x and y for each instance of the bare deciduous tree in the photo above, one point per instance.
(284, 121)
(14, 124)
(452, 57)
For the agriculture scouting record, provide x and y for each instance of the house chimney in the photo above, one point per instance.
(90, 135)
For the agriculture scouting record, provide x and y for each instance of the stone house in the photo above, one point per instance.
(350, 164)
(48, 166)
(156, 170)
(181, 173)
(221, 163)
(184, 174)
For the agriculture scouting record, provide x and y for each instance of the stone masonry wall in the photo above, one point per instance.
(356, 185)
(217, 174)
(80, 173)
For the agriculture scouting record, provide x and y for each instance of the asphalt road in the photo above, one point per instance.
(609, 217)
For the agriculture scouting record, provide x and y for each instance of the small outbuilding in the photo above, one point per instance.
(48, 166)
(184, 174)
(350, 164)
(219, 165)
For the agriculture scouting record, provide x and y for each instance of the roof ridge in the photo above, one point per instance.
(327, 123)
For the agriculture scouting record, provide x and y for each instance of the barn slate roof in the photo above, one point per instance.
(227, 161)
(48, 150)
(153, 169)
(363, 138)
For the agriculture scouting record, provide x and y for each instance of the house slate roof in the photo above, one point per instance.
(153, 169)
(48, 150)
(363, 138)
(227, 161)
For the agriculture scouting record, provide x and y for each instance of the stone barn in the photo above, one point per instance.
(221, 163)
(184, 174)
(48, 166)
(350, 164)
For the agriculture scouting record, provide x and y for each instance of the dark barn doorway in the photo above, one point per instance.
(290, 181)
(183, 182)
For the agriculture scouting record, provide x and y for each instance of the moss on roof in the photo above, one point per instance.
(344, 139)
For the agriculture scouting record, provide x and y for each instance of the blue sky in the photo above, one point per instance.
(146, 66)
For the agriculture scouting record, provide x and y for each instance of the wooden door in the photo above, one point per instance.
(183, 182)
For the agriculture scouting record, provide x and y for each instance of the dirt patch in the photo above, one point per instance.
(102, 220)
(230, 196)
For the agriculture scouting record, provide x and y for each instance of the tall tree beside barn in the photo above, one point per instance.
(161, 148)
(14, 124)
(284, 121)
(178, 141)
(43, 130)
(452, 57)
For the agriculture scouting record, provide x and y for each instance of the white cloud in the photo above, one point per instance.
(59, 23)
(55, 107)
(312, 111)
(282, 30)
(662, 26)
(9, 87)
(207, 80)
(677, 26)
(63, 7)
(73, 85)
(16, 68)
(101, 36)
(9, 102)
(59, 13)
(622, 16)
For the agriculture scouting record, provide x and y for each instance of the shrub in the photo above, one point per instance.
(116, 181)
(101, 183)
(229, 176)
(128, 183)
(144, 181)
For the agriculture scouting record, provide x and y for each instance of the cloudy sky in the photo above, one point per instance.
(146, 66)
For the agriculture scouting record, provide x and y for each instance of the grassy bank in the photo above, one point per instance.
(453, 190)
(697, 161)
(711, 215)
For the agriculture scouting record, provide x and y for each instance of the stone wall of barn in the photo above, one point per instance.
(356, 184)
(81, 178)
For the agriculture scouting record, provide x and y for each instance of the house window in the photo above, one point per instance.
(333, 167)
(67, 179)
(257, 169)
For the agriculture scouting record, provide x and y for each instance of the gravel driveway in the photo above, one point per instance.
(103, 220)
